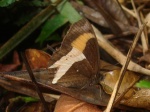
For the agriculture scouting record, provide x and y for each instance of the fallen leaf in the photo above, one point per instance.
(110, 79)
(18, 105)
(141, 99)
(145, 58)
(37, 58)
(70, 104)
(12, 66)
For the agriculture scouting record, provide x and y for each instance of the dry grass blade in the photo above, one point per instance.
(129, 11)
(123, 70)
(143, 39)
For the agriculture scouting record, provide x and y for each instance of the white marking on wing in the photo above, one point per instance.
(66, 62)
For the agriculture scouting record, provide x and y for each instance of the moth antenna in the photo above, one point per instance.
(50, 48)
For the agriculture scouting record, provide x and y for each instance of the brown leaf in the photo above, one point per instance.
(97, 17)
(69, 104)
(145, 58)
(97, 5)
(18, 105)
(114, 10)
(38, 107)
(12, 66)
(37, 58)
(90, 13)
(141, 99)
(110, 78)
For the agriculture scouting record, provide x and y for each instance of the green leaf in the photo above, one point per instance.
(54, 37)
(4, 3)
(51, 26)
(39, 3)
(69, 12)
(143, 84)
(29, 99)
(24, 99)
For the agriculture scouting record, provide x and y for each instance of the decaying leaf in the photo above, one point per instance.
(37, 58)
(114, 10)
(97, 5)
(12, 66)
(19, 105)
(110, 78)
(146, 59)
(70, 104)
(134, 97)
(141, 99)
(90, 13)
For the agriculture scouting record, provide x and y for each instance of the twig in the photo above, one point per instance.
(145, 29)
(129, 11)
(123, 70)
(35, 83)
(117, 100)
(143, 39)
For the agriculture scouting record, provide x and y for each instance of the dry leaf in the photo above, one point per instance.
(70, 104)
(12, 66)
(37, 58)
(90, 13)
(141, 99)
(110, 78)
(20, 106)
(145, 58)
(114, 10)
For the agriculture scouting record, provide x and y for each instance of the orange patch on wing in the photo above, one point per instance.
(80, 42)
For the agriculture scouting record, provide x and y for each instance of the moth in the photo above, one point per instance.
(77, 62)
(71, 69)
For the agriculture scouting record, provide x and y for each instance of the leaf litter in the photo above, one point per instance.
(134, 97)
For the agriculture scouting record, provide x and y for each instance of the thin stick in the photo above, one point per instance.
(145, 29)
(143, 39)
(123, 70)
(129, 11)
(35, 83)
(117, 101)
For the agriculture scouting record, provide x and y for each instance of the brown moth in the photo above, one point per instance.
(77, 61)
